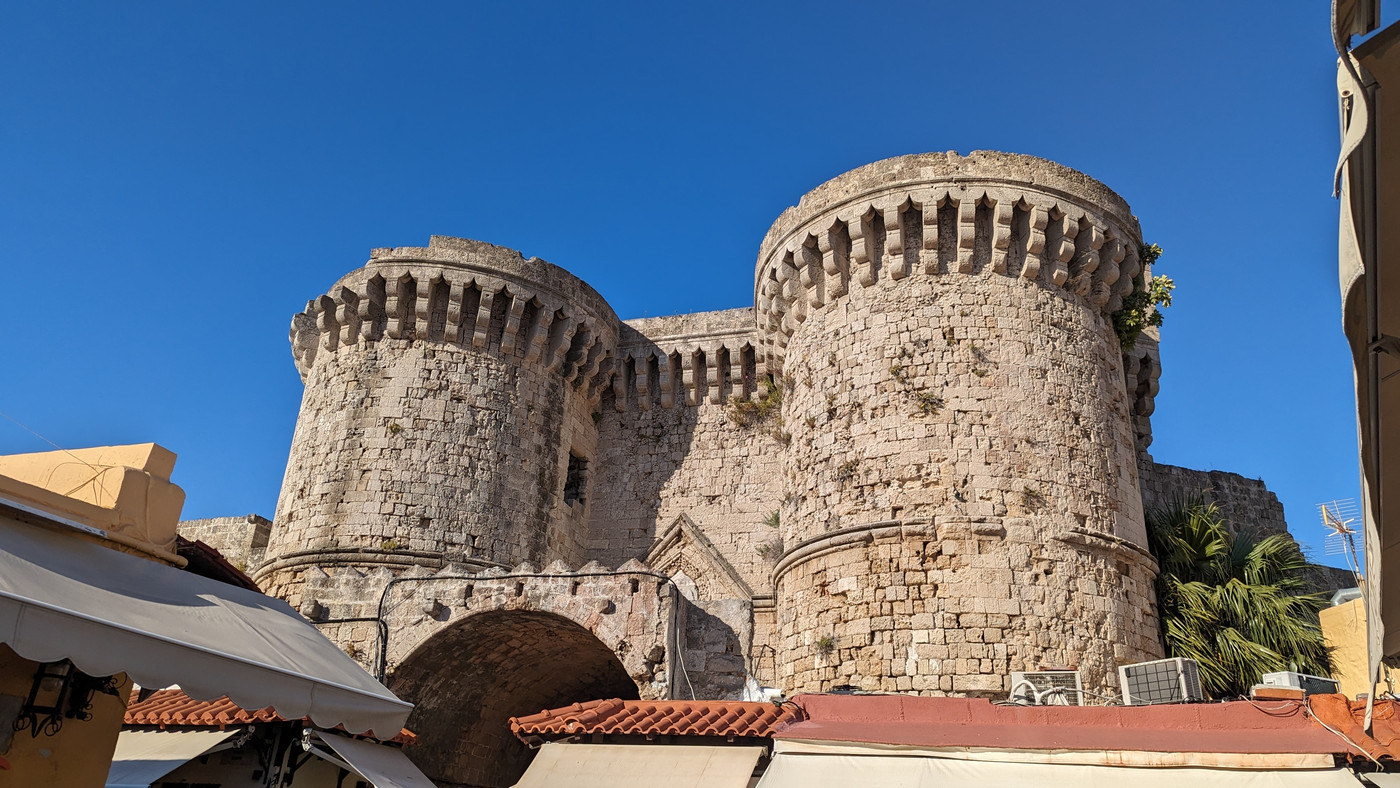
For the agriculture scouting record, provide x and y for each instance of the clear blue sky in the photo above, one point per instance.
(177, 179)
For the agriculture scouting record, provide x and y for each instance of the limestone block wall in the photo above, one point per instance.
(670, 449)
(669, 446)
(1246, 503)
(240, 540)
(940, 327)
(450, 393)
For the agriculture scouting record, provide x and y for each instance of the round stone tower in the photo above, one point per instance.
(448, 415)
(961, 498)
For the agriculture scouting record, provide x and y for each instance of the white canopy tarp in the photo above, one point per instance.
(142, 757)
(561, 765)
(801, 770)
(109, 612)
(384, 766)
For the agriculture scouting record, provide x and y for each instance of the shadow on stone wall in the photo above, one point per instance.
(469, 680)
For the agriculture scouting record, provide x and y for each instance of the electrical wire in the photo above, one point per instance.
(1293, 707)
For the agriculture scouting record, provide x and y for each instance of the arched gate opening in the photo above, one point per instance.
(469, 680)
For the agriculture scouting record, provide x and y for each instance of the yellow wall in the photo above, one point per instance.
(78, 756)
(125, 491)
(1344, 629)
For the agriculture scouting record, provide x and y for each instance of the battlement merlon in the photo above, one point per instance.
(687, 360)
(466, 293)
(941, 213)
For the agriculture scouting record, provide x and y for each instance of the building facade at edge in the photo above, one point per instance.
(918, 462)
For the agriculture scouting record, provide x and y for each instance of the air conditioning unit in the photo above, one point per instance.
(1047, 688)
(1161, 681)
(1313, 685)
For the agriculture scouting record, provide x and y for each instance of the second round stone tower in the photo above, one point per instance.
(961, 496)
(447, 405)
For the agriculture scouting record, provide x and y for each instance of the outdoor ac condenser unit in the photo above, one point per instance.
(1161, 681)
(1047, 688)
(1313, 685)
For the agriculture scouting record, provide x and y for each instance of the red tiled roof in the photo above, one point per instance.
(206, 561)
(172, 708)
(658, 718)
(1263, 727)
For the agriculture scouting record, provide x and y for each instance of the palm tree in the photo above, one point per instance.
(1237, 605)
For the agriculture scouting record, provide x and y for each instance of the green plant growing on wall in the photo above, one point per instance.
(752, 412)
(1032, 498)
(847, 470)
(391, 545)
(771, 520)
(395, 428)
(1142, 307)
(826, 644)
(772, 549)
(1236, 604)
(927, 402)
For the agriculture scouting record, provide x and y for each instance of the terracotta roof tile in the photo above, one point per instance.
(172, 708)
(657, 718)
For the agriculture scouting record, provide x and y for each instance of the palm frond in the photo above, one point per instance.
(1234, 602)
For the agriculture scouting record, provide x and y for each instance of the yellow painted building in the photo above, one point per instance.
(92, 598)
(124, 496)
(1344, 630)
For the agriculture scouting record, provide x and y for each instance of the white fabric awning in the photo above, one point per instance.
(561, 765)
(798, 770)
(142, 757)
(1368, 181)
(382, 765)
(109, 612)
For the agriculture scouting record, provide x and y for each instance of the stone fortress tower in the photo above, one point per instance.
(961, 488)
(917, 463)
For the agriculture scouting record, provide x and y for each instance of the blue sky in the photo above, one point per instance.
(177, 179)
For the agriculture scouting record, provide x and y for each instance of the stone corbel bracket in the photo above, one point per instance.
(931, 215)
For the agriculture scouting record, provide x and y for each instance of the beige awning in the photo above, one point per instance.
(383, 765)
(142, 757)
(800, 770)
(1369, 272)
(108, 612)
(1382, 779)
(560, 765)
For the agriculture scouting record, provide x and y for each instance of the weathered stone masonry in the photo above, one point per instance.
(939, 478)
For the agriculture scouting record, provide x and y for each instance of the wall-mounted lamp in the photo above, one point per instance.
(60, 691)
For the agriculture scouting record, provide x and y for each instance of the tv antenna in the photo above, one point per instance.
(1339, 518)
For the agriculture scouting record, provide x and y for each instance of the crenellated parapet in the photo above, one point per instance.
(942, 214)
(687, 361)
(467, 294)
